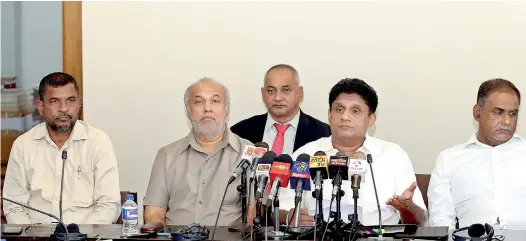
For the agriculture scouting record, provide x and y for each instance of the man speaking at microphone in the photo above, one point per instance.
(34, 172)
(352, 110)
(189, 176)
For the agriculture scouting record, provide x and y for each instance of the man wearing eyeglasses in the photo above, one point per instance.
(285, 128)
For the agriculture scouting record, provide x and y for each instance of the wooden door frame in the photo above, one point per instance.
(72, 43)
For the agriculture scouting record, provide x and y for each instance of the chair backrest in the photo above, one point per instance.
(123, 200)
(422, 180)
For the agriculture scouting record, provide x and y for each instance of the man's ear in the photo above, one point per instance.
(372, 119)
(301, 93)
(476, 112)
(40, 107)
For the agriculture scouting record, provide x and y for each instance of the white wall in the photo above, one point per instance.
(31, 40)
(426, 61)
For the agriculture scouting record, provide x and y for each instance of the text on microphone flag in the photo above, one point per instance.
(300, 175)
(316, 161)
(301, 166)
(338, 162)
(249, 151)
(259, 151)
(263, 167)
(356, 163)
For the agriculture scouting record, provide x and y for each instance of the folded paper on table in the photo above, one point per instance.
(346, 209)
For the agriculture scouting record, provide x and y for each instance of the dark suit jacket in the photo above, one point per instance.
(309, 129)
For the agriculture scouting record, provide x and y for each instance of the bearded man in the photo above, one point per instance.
(189, 176)
(62, 150)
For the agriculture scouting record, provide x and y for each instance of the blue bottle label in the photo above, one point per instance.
(129, 214)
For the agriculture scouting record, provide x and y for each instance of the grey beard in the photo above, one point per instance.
(208, 134)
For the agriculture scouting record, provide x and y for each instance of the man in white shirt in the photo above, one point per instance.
(352, 107)
(482, 180)
(285, 128)
(91, 193)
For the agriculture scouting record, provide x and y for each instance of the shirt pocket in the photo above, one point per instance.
(82, 187)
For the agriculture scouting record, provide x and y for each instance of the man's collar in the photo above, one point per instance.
(294, 122)
(228, 139)
(79, 132)
(473, 140)
(370, 145)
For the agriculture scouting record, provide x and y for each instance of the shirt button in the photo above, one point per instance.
(203, 182)
(200, 202)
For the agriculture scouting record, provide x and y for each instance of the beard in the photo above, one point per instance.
(208, 133)
(61, 128)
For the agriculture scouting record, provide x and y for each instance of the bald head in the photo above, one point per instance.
(282, 69)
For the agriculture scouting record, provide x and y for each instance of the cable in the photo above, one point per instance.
(315, 219)
(219, 212)
(266, 223)
(326, 226)
(352, 229)
(248, 205)
(290, 219)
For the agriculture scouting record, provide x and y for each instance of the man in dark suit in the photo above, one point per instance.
(285, 128)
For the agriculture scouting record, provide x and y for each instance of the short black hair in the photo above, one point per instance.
(355, 86)
(56, 79)
(488, 86)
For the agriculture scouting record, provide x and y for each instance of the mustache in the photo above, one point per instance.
(63, 115)
(504, 128)
(211, 117)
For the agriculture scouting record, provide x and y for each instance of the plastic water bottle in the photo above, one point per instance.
(130, 217)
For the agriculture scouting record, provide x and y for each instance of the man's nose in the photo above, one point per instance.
(506, 119)
(63, 107)
(208, 106)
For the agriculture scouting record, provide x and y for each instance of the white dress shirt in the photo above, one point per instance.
(478, 183)
(393, 174)
(91, 192)
(290, 134)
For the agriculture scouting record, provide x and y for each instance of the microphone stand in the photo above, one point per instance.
(356, 226)
(318, 226)
(337, 224)
(277, 234)
(319, 196)
(296, 229)
(242, 189)
(53, 236)
(64, 157)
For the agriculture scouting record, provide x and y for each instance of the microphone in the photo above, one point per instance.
(339, 163)
(319, 170)
(357, 169)
(261, 144)
(279, 175)
(64, 157)
(42, 212)
(263, 172)
(370, 161)
(299, 181)
(240, 169)
(338, 171)
(259, 151)
(300, 176)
